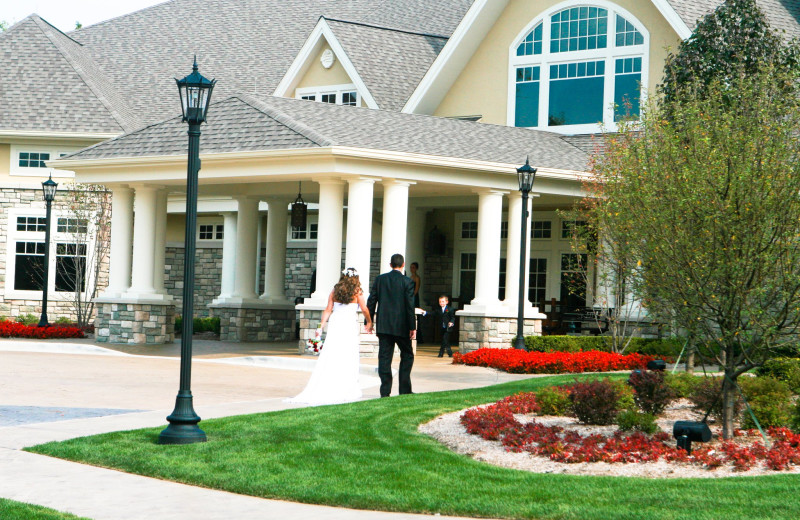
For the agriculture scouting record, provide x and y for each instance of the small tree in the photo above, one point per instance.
(87, 224)
(705, 189)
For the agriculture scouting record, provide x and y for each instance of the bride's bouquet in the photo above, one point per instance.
(314, 346)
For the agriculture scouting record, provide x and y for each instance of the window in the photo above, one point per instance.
(576, 93)
(31, 224)
(333, 94)
(469, 229)
(29, 266)
(210, 232)
(570, 227)
(541, 229)
(576, 68)
(33, 159)
(70, 267)
(537, 280)
(501, 284)
(309, 233)
(467, 277)
(573, 281)
(72, 225)
(349, 99)
(503, 230)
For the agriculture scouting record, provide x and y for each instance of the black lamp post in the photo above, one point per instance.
(49, 188)
(526, 175)
(195, 92)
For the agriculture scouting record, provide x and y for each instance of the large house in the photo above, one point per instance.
(401, 123)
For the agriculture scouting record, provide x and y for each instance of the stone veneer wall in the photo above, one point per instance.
(491, 332)
(437, 277)
(207, 275)
(135, 324)
(243, 324)
(60, 305)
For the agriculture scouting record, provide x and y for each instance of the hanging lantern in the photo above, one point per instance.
(299, 210)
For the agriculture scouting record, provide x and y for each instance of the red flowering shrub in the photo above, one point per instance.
(594, 402)
(12, 329)
(521, 362)
(497, 422)
(651, 392)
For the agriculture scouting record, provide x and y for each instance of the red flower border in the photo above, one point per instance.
(13, 329)
(523, 362)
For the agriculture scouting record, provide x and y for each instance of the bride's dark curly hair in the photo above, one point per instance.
(347, 289)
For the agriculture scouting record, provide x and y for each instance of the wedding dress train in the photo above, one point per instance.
(335, 377)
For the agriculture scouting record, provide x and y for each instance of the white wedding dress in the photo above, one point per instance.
(335, 377)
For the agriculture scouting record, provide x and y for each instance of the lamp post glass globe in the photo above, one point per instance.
(526, 175)
(195, 95)
(49, 192)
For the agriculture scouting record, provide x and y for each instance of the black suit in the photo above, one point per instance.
(393, 294)
(443, 319)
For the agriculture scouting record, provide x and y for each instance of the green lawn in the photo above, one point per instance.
(10, 510)
(369, 455)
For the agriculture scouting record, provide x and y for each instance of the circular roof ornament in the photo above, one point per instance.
(327, 58)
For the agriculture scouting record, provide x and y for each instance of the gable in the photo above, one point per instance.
(317, 75)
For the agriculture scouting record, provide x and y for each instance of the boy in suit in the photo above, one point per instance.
(444, 317)
(392, 297)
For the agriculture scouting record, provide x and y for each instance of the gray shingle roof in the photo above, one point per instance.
(247, 45)
(49, 82)
(783, 15)
(391, 63)
(245, 123)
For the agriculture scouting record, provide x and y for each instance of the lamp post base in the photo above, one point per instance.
(519, 342)
(182, 427)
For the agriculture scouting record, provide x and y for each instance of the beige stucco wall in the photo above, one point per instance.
(5, 160)
(319, 76)
(482, 87)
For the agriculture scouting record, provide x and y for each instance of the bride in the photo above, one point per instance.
(335, 377)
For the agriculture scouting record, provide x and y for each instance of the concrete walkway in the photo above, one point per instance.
(57, 390)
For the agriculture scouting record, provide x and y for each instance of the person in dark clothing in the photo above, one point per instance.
(391, 305)
(444, 317)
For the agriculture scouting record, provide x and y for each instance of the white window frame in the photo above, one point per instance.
(544, 60)
(310, 219)
(209, 221)
(15, 236)
(54, 151)
(338, 90)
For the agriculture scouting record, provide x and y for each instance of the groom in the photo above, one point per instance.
(395, 323)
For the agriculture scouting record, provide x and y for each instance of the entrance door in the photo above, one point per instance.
(573, 282)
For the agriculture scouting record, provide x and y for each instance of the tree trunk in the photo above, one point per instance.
(690, 350)
(728, 402)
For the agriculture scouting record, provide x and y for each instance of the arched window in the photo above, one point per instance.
(576, 67)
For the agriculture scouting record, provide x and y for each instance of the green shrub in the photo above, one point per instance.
(594, 402)
(651, 392)
(665, 348)
(796, 416)
(625, 401)
(200, 324)
(553, 400)
(63, 320)
(770, 400)
(784, 369)
(631, 420)
(28, 319)
(682, 384)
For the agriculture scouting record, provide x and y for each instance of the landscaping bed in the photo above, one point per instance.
(523, 362)
(13, 329)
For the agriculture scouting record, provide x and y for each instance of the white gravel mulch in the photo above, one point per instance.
(448, 430)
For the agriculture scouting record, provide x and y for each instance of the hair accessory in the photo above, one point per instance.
(349, 272)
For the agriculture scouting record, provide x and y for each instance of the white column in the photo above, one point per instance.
(228, 255)
(144, 223)
(160, 242)
(275, 266)
(119, 278)
(359, 228)
(329, 238)
(415, 245)
(487, 267)
(246, 238)
(512, 251)
(395, 221)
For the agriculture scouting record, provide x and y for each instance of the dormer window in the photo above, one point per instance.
(577, 68)
(333, 95)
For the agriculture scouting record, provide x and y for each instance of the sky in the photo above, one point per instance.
(64, 13)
